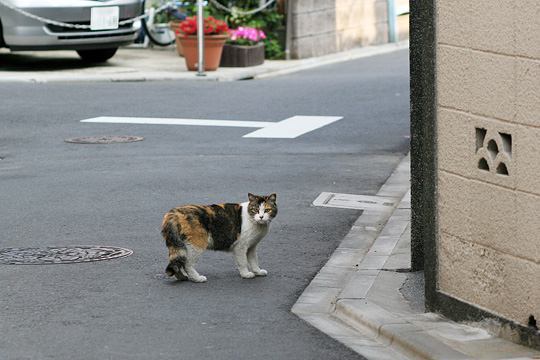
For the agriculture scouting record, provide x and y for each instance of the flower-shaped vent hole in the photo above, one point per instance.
(483, 164)
(502, 169)
(493, 149)
(507, 143)
(480, 137)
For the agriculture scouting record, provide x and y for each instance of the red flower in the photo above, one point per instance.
(212, 26)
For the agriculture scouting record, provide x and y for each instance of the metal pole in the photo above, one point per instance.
(392, 21)
(200, 38)
(288, 29)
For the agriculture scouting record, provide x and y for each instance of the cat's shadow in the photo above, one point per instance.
(221, 278)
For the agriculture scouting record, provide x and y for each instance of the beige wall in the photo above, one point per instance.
(488, 96)
(326, 26)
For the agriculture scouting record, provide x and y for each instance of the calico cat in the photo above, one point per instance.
(189, 230)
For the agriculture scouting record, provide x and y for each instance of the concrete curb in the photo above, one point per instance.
(355, 297)
(354, 54)
(137, 65)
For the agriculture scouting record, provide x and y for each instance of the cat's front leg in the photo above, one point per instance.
(240, 256)
(253, 262)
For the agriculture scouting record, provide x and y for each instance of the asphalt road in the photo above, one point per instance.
(57, 194)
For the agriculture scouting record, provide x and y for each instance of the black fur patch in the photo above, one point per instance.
(225, 226)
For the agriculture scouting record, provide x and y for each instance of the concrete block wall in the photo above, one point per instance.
(322, 27)
(488, 140)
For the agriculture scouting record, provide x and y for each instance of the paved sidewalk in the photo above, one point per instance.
(358, 296)
(137, 64)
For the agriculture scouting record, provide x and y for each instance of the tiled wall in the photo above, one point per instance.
(488, 138)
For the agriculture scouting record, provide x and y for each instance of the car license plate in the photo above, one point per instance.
(104, 18)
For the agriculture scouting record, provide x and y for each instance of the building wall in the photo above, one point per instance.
(488, 157)
(322, 27)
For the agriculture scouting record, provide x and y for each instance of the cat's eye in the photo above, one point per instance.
(267, 210)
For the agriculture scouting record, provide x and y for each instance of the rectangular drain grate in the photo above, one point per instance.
(350, 201)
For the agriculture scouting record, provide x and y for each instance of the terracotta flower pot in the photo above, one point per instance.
(213, 47)
(175, 27)
(179, 48)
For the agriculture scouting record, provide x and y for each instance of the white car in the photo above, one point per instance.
(40, 25)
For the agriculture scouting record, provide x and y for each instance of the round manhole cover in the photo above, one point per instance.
(60, 255)
(106, 139)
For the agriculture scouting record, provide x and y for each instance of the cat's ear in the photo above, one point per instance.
(251, 197)
(272, 197)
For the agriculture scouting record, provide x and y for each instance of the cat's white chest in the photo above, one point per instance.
(251, 232)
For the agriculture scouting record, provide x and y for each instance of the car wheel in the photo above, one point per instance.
(97, 55)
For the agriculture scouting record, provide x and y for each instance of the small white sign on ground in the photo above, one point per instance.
(350, 201)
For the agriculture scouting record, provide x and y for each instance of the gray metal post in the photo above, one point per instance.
(288, 29)
(200, 37)
(392, 21)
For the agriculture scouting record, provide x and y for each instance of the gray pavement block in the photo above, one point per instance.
(398, 261)
(358, 238)
(495, 348)
(332, 276)
(334, 327)
(365, 315)
(384, 245)
(359, 284)
(395, 227)
(402, 214)
(379, 352)
(406, 201)
(416, 343)
(458, 332)
(346, 258)
(391, 190)
(372, 262)
(425, 321)
(316, 299)
(385, 293)
(374, 220)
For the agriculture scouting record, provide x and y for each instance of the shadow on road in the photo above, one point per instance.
(34, 61)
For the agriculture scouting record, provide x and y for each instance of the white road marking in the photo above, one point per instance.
(167, 121)
(290, 128)
(293, 127)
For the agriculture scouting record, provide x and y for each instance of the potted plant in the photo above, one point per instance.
(215, 36)
(244, 48)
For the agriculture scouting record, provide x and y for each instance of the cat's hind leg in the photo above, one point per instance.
(177, 249)
(253, 262)
(193, 254)
(177, 260)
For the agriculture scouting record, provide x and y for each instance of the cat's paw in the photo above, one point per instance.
(261, 272)
(247, 275)
(199, 279)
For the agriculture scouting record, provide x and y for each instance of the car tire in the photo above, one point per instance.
(97, 55)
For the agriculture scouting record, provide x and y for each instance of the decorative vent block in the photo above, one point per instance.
(494, 151)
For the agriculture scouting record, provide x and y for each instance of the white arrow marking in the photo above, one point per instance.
(288, 129)
(293, 127)
(167, 121)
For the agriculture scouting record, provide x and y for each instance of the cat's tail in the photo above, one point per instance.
(177, 248)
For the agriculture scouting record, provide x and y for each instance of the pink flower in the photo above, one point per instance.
(247, 33)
